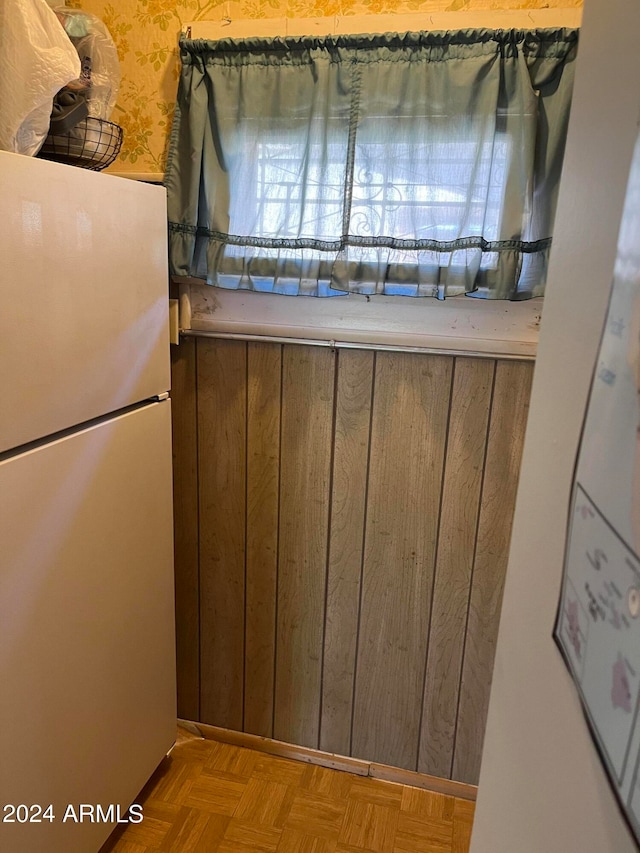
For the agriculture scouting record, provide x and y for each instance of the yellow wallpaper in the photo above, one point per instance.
(146, 34)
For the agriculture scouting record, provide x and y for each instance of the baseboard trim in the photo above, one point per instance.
(461, 790)
(337, 762)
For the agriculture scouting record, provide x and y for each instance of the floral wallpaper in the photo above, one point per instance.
(146, 35)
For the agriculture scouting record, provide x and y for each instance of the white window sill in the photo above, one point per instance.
(459, 325)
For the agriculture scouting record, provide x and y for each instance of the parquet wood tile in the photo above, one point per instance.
(322, 780)
(265, 802)
(209, 797)
(429, 835)
(213, 834)
(280, 770)
(375, 791)
(463, 810)
(217, 794)
(242, 837)
(293, 841)
(187, 831)
(159, 817)
(174, 786)
(368, 827)
(426, 803)
(194, 748)
(232, 761)
(324, 814)
(462, 823)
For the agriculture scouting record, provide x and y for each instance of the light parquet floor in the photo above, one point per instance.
(209, 797)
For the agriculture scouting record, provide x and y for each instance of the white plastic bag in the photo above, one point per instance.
(36, 60)
(100, 68)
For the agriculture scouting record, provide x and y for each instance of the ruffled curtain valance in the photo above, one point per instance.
(423, 164)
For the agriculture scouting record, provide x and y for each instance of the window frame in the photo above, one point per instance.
(460, 325)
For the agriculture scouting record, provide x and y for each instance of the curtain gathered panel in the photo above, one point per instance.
(420, 164)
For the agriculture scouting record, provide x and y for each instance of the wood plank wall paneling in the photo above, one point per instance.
(346, 542)
(185, 517)
(408, 435)
(222, 432)
(354, 518)
(305, 480)
(506, 434)
(466, 446)
(263, 490)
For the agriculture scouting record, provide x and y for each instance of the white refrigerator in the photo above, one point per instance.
(87, 660)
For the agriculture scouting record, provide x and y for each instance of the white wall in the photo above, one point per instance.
(542, 788)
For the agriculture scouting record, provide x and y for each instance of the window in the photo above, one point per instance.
(421, 192)
(422, 164)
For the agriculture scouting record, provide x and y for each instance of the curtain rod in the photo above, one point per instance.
(227, 27)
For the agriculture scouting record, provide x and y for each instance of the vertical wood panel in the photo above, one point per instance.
(276, 491)
(506, 435)
(409, 424)
(222, 444)
(351, 445)
(307, 415)
(185, 516)
(263, 482)
(471, 399)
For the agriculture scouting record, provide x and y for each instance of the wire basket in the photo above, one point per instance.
(92, 144)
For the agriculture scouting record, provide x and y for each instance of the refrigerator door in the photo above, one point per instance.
(83, 283)
(87, 661)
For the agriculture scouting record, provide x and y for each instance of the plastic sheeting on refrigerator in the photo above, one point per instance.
(36, 60)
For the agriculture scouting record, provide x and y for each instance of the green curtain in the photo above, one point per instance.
(420, 164)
